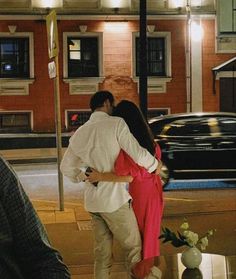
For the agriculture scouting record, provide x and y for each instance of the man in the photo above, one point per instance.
(97, 144)
(25, 252)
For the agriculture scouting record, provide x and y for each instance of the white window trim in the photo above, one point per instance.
(22, 111)
(17, 86)
(155, 84)
(225, 43)
(225, 74)
(83, 85)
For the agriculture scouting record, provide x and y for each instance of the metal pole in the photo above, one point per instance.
(188, 59)
(58, 134)
(143, 57)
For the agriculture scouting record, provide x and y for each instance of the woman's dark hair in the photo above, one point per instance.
(98, 99)
(137, 124)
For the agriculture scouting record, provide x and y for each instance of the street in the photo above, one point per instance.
(41, 183)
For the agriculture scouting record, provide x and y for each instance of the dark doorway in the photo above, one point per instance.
(228, 94)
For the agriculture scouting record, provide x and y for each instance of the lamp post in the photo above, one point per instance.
(143, 57)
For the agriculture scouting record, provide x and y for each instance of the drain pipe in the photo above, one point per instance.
(188, 59)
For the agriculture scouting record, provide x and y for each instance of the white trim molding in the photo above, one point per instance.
(226, 74)
(15, 86)
(156, 84)
(83, 86)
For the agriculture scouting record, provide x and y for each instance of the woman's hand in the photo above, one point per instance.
(159, 166)
(93, 176)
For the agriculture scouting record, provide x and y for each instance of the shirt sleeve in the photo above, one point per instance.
(70, 166)
(131, 146)
(36, 257)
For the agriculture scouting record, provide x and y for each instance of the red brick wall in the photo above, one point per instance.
(40, 99)
(210, 60)
(117, 64)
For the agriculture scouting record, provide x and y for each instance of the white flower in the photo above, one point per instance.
(191, 237)
(186, 237)
(184, 226)
(203, 243)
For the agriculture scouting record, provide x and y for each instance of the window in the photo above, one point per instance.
(14, 57)
(227, 125)
(76, 118)
(158, 60)
(155, 56)
(15, 122)
(157, 112)
(82, 61)
(82, 57)
(188, 127)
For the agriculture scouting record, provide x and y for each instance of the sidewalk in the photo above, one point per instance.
(70, 230)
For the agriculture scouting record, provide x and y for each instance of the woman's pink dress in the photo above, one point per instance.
(146, 191)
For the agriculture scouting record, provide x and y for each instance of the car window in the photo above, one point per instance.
(187, 127)
(227, 125)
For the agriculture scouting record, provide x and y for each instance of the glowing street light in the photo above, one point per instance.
(196, 31)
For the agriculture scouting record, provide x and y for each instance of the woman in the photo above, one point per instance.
(145, 188)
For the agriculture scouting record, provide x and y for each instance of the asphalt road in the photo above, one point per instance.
(41, 182)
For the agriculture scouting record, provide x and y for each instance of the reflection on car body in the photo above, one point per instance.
(197, 145)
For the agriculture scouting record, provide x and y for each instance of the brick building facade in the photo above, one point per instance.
(116, 73)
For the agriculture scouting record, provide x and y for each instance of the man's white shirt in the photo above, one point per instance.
(97, 144)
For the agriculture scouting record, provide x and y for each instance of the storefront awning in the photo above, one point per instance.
(226, 70)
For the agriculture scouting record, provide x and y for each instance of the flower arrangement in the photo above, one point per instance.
(186, 237)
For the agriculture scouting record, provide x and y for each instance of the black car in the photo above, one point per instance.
(197, 145)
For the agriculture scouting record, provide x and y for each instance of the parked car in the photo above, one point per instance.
(197, 145)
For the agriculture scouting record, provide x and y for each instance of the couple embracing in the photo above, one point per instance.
(117, 144)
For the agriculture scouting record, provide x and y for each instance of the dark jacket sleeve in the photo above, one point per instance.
(37, 259)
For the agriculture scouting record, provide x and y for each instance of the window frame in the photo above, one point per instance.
(81, 52)
(157, 111)
(149, 61)
(12, 86)
(75, 35)
(17, 129)
(83, 85)
(67, 121)
(29, 36)
(156, 84)
(17, 58)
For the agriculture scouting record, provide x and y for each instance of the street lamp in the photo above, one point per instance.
(47, 4)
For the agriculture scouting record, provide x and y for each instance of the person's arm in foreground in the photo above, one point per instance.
(37, 259)
(95, 176)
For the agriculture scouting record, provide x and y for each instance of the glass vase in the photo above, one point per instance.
(191, 257)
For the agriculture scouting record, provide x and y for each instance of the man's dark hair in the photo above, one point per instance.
(98, 99)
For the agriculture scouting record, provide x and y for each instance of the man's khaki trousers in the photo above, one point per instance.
(122, 226)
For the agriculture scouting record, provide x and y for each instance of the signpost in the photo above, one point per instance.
(53, 69)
